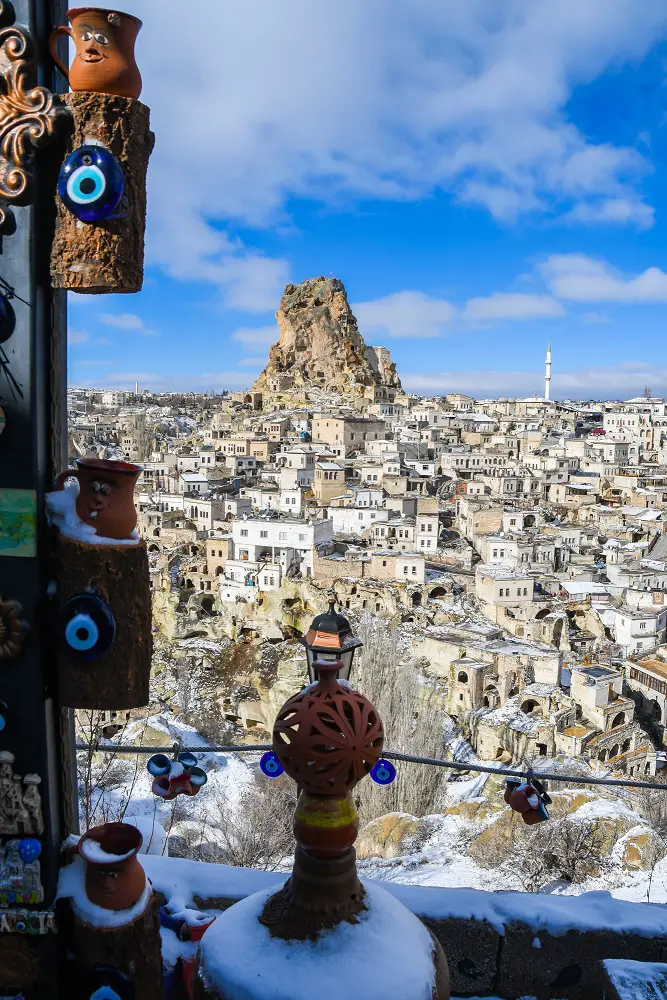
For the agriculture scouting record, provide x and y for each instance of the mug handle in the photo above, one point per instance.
(67, 474)
(53, 48)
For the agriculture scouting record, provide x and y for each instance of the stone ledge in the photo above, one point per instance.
(503, 944)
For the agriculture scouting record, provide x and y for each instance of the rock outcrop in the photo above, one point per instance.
(320, 343)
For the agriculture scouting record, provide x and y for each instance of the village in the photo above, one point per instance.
(519, 543)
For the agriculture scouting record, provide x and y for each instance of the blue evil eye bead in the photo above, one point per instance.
(7, 318)
(187, 759)
(158, 765)
(3, 711)
(198, 777)
(88, 626)
(270, 765)
(384, 772)
(91, 183)
(29, 850)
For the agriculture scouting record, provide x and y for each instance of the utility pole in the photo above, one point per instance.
(37, 738)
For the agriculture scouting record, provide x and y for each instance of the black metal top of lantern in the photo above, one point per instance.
(330, 638)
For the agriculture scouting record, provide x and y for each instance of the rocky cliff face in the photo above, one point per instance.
(320, 343)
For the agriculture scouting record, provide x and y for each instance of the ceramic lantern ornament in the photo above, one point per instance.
(104, 59)
(327, 739)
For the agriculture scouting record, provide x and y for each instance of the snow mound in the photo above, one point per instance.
(387, 955)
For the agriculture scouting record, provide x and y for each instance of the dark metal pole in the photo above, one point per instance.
(32, 449)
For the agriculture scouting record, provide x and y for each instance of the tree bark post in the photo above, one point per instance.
(108, 256)
(119, 677)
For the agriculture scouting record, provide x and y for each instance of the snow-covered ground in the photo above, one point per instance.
(442, 858)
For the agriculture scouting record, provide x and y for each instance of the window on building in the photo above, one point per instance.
(282, 535)
(263, 534)
(414, 571)
(244, 532)
(501, 592)
(642, 624)
(405, 570)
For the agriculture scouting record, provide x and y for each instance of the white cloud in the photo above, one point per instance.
(403, 314)
(585, 279)
(252, 362)
(604, 382)
(512, 306)
(126, 321)
(158, 382)
(264, 336)
(621, 211)
(379, 100)
(594, 318)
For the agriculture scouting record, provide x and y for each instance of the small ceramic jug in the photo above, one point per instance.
(104, 61)
(106, 495)
(115, 878)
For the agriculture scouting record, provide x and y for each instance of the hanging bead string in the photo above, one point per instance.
(454, 765)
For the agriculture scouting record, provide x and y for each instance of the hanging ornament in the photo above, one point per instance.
(3, 420)
(7, 318)
(270, 765)
(3, 714)
(529, 798)
(384, 772)
(180, 776)
(91, 183)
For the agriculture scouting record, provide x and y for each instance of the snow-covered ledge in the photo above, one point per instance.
(508, 944)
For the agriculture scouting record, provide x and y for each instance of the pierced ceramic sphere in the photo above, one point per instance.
(328, 738)
(91, 183)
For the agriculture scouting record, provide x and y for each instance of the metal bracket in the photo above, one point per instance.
(28, 115)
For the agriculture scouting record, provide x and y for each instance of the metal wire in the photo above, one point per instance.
(454, 765)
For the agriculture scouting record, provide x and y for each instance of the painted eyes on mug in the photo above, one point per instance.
(91, 183)
(102, 488)
(88, 626)
(87, 36)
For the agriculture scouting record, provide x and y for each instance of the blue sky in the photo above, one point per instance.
(483, 177)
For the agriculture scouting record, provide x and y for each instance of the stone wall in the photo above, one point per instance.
(501, 944)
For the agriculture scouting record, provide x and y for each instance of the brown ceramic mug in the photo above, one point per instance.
(115, 878)
(104, 61)
(106, 495)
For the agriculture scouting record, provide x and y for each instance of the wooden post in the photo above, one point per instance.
(108, 256)
(134, 949)
(118, 574)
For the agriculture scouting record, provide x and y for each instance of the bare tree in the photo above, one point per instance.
(413, 719)
(566, 849)
(256, 832)
(101, 771)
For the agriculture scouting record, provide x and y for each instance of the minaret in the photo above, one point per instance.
(547, 374)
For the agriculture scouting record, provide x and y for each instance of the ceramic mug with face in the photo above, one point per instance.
(106, 495)
(115, 879)
(104, 61)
